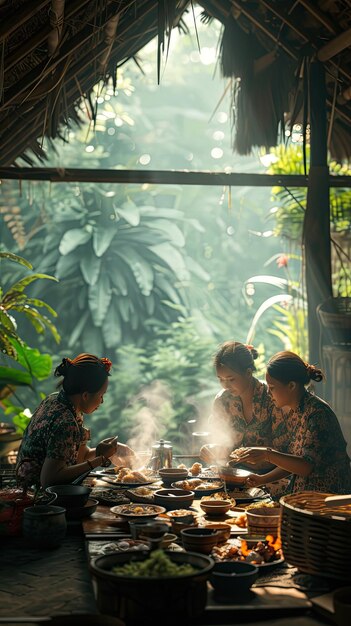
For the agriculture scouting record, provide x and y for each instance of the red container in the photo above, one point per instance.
(13, 501)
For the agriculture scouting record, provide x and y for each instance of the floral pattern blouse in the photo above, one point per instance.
(55, 431)
(266, 428)
(315, 434)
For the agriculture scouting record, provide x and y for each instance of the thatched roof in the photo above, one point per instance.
(52, 52)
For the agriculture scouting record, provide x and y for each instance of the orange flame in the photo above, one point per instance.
(274, 543)
(244, 549)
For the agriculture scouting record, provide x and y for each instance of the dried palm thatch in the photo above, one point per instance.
(52, 52)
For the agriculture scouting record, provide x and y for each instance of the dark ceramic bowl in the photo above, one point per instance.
(233, 476)
(200, 539)
(80, 512)
(70, 495)
(170, 474)
(174, 498)
(230, 578)
(170, 600)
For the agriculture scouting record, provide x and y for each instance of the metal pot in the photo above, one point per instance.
(161, 455)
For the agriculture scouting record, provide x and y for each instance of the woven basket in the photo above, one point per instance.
(316, 538)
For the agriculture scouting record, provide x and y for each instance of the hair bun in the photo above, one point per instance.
(253, 351)
(314, 373)
(61, 370)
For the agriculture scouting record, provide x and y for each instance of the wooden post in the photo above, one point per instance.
(317, 218)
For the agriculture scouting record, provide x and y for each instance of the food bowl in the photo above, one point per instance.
(173, 498)
(231, 578)
(70, 495)
(80, 512)
(233, 476)
(264, 520)
(200, 539)
(223, 528)
(167, 539)
(170, 474)
(215, 507)
(172, 599)
(181, 516)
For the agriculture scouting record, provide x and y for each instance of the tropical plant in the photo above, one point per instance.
(291, 326)
(22, 365)
(290, 205)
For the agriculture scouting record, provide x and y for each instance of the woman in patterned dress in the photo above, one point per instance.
(316, 458)
(243, 413)
(54, 447)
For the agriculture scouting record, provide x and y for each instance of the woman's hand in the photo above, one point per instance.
(107, 447)
(254, 456)
(213, 452)
(254, 480)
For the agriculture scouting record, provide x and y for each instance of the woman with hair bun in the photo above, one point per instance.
(243, 413)
(54, 447)
(316, 458)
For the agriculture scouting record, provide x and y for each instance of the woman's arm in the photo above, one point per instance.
(256, 480)
(57, 472)
(289, 462)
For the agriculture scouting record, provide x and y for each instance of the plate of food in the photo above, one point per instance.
(198, 486)
(144, 511)
(240, 496)
(142, 494)
(264, 553)
(197, 470)
(126, 477)
(111, 496)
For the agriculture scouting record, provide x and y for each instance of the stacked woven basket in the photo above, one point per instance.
(316, 537)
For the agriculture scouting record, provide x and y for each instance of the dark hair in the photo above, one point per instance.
(289, 367)
(235, 355)
(85, 372)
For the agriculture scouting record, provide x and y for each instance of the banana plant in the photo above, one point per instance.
(30, 363)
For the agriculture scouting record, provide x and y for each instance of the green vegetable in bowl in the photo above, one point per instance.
(158, 564)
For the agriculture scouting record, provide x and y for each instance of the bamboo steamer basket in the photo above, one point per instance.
(315, 535)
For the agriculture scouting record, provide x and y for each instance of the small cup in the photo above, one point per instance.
(342, 606)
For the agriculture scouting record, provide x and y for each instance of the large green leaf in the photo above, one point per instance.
(17, 259)
(172, 257)
(7, 321)
(118, 280)
(23, 283)
(142, 270)
(78, 329)
(72, 239)
(39, 303)
(171, 230)
(99, 299)
(11, 376)
(39, 365)
(90, 265)
(66, 265)
(112, 329)
(102, 238)
(130, 212)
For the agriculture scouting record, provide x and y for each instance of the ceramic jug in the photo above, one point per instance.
(44, 526)
(161, 455)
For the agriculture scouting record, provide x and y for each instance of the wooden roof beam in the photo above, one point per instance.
(319, 15)
(335, 46)
(163, 177)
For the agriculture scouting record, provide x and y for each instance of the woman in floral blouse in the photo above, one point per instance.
(54, 448)
(243, 413)
(316, 458)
